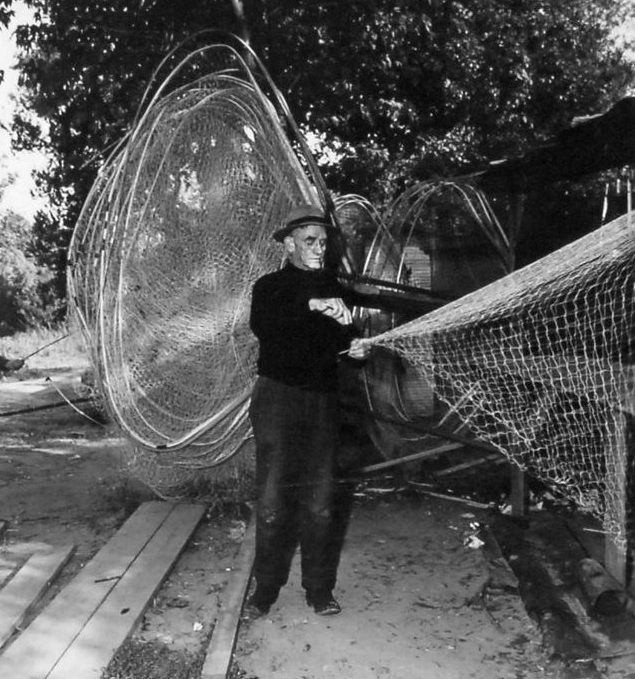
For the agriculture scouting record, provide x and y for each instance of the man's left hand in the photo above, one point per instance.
(359, 349)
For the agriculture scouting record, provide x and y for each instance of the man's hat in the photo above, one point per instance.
(302, 215)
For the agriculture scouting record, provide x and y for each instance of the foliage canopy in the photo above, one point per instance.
(402, 89)
(22, 279)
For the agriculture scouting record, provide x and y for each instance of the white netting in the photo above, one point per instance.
(539, 364)
(178, 226)
(170, 241)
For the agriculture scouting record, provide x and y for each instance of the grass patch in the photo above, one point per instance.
(121, 493)
(66, 347)
(153, 660)
(226, 488)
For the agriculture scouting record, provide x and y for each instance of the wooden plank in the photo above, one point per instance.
(453, 498)
(7, 568)
(114, 620)
(496, 458)
(219, 653)
(27, 587)
(36, 650)
(431, 452)
(501, 574)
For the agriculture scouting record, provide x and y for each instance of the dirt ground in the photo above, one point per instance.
(421, 596)
(416, 603)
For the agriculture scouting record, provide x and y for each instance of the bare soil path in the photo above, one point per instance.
(418, 600)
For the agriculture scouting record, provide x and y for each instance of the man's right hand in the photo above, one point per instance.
(333, 307)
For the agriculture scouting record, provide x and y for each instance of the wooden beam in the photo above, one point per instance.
(27, 587)
(431, 452)
(110, 625)
(496, 458)
(221, 648)
(594, 144)
(409, 292)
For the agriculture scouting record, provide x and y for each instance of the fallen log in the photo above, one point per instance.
(603, 592)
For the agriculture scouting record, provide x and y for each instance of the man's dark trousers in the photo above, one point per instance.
(296, 433)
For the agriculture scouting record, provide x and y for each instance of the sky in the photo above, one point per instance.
(18, 197)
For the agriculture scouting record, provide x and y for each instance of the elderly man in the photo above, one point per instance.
(304, 326)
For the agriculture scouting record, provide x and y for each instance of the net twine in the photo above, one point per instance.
(172, 236)
(540, 364)
(177, 228)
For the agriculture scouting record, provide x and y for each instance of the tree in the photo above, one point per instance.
(22, 279)
(421, 88)
(5, 17)
(5, 12)
(402, 89)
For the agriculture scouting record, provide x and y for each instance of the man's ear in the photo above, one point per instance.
(289, 244)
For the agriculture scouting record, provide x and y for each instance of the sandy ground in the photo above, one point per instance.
(420, 598)
(417, 602)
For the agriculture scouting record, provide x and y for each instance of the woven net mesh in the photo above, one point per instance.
(174, 233)
(178, 226)
(440, 237)
(540, 364)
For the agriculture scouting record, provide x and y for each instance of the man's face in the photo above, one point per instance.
(306, 246)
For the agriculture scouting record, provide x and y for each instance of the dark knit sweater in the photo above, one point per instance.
(298, 347)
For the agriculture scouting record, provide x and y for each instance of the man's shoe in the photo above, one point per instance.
(256, 608)
(323, 603)
(263, 599)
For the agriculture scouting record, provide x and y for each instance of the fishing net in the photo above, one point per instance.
(178, 226)
(169, 243)
(540, 365)
(443, 238)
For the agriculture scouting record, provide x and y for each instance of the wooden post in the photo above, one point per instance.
(614, 553)
(621, 449)
(519, 491)
(615, 560)
(518, 480)
(517, 208)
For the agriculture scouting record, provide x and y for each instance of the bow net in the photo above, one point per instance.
(169, 243)
(441, 238)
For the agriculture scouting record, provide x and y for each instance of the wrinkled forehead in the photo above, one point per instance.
(309, 231)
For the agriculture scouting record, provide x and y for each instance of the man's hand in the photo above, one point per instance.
(358, 349)
(333, 307)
